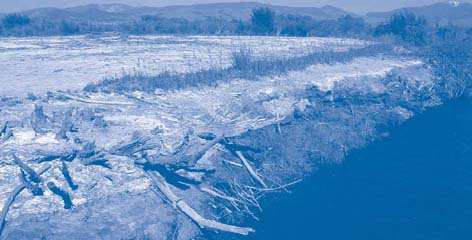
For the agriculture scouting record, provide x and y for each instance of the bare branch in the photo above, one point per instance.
(250, 169)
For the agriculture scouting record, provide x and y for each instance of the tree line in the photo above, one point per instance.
(263, 21)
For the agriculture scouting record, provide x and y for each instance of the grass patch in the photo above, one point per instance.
(244, 65)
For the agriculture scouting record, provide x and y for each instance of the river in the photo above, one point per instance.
(414, 184)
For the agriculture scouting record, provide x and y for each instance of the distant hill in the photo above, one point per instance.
(451, 12)
(121, 12)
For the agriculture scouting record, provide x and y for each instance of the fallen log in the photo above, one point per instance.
(67, 176)
(12, 198)
(182, 206)
(250, 169)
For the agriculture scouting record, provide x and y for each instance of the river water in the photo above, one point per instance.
(415, 184)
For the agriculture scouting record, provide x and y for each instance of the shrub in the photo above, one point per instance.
(407, 26)
(263, 21)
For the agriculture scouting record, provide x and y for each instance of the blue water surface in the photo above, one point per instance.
(415, 184)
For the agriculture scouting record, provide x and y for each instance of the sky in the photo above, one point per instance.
(356, 6)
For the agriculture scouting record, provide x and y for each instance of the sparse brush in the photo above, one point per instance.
(242, 58)
(244, 65)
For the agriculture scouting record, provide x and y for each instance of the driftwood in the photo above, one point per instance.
(251, 170)
(193, 159)
(276, 188)
(48, 158)
(67, 176)
(88, 150)
(98, 159)
(32, 175)
(61, 193)
(67, 125)
(216, 193)
(34, 188)
(12, 198)
(70, 157)
(90, 101)
(168, 174)
(7, 135)
(3, 128)
(89, 155)
(51, 156)
(39, 121)
(137, 144)
(5, 132)
(182, 206)
(186, 161)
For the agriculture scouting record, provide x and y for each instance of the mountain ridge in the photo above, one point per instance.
(443, 13)
(110, 12)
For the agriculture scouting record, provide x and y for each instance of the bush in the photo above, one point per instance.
(263, 21)
(291, 25)
(407, 26)
(349, 25)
